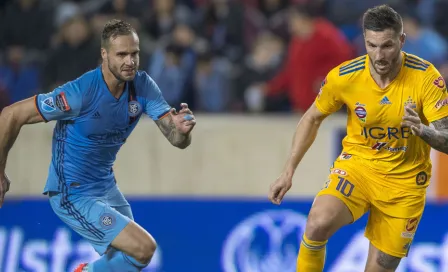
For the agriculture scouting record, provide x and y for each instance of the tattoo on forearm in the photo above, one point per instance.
(168, 128)
(437, 137)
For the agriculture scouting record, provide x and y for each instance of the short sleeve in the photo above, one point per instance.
(155, 105)
(63, 103)
(435, 97)
(328, 100)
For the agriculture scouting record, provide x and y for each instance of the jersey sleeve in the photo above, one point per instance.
(63, 103)
(435, 96)
(155, 105)
(328, 100)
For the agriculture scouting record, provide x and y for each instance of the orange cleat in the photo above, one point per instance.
(81, 268)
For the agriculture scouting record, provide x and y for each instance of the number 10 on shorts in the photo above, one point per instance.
(345, 187)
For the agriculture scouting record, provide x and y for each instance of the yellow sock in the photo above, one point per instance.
(311, 256)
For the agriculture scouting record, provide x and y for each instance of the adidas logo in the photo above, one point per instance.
(96, 115)
(385, 101)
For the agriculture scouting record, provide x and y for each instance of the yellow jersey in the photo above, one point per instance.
(374, 131)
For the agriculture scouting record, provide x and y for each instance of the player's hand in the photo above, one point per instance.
(279, 188)
(184, 120)
(4, 187)
(412, 120)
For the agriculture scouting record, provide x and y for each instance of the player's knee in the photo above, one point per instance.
(318, 227)
(145, 251)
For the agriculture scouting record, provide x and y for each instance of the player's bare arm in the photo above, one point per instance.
(436, 135)
(12, 119)
(304, 137)
(177, 126)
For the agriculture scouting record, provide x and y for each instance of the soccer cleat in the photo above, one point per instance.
(81, 268)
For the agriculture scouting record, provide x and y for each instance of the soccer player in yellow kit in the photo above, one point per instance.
(397, 110)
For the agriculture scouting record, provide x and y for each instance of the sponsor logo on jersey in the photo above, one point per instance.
(361, 112)
(62, 103)
(385, 101)
(440, 82)
(383, 146)
(383, 133)
(410, 228)
(339, 172)
(441, 103)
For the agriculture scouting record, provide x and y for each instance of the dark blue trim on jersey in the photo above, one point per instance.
(36, 102)
(352, 70)
(360, 61)
(62, 186)
(416, 60)
(417, 63)
(415, 67)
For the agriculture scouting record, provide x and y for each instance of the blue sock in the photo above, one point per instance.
(116, 261)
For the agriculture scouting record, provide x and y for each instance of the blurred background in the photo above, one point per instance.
(248, 69)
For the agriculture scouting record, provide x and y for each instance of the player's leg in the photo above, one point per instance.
(379, 261)
(101, 224)
(391, 229)
(326, 216)
(339, 203)
(116, 258)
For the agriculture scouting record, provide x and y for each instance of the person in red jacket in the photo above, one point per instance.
(316, 46)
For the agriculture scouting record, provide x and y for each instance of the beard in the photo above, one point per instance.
(116, 72)
(384, 67)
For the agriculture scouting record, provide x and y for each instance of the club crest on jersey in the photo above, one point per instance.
(410, 102)
(361, 112)
(48, 105)
(421, 178)
(134, 108)
(107, 220)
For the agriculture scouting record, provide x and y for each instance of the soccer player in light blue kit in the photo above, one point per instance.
(95, 115)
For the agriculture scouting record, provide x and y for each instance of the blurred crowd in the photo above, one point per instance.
(216, 55)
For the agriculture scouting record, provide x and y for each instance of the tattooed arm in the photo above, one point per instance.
(174, 136)
(177, 126)
(436, 135)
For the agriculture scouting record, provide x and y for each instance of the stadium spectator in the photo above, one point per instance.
(316, 47)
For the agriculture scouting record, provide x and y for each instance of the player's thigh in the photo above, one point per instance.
(339, 203)
(345, 183)
(117, 201)
(390, 238)
(92, 218)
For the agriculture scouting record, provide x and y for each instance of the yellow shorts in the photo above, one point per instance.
(394, 213)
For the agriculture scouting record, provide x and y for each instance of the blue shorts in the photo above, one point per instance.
(97, 219)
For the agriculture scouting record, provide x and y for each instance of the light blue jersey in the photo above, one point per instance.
(91, 127)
